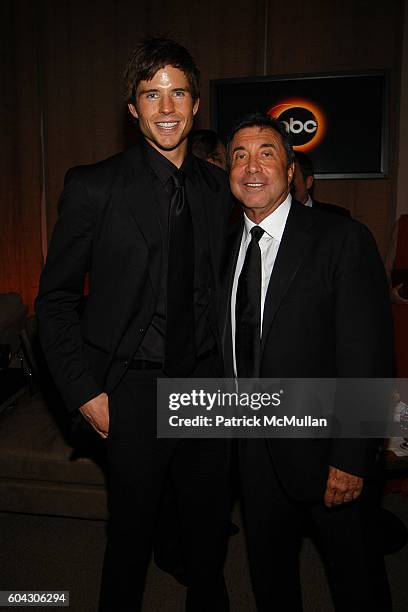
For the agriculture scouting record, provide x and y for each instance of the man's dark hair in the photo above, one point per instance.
(264, 121)
(305, 164)
(204, 143)
(151, 55)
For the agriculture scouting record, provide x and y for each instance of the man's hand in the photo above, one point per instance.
(342, 487)
(96, 412)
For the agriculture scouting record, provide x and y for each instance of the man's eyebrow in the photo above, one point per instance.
(144, 91)
(157, 90)
(262, 146)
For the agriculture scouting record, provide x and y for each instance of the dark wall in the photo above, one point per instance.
(62, 101)
(20, 153)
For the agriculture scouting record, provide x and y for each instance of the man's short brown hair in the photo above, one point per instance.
(155, 53)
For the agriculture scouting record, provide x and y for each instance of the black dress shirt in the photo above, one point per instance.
(161, 170)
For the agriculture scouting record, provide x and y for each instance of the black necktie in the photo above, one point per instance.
(248, 310)
(180, 356)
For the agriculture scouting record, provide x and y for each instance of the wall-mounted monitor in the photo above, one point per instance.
(339, 120)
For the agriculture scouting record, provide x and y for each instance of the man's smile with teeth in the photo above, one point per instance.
(254, 184)
(167, 124)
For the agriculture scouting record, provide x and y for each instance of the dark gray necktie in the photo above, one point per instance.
(180, 353)
(248, 310)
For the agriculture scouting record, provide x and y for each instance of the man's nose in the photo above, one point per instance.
(253, 165)
(166, 104)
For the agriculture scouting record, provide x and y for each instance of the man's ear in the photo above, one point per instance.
(309, 182)
(196, 105)
(133, 111)
(291, 172)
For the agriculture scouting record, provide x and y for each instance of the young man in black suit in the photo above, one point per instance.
(147, 226)
(306, 297)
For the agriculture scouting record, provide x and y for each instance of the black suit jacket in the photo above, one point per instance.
(333, 208)
(326, 314)
(108, 228)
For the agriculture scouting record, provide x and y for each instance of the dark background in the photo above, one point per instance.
(61, 92)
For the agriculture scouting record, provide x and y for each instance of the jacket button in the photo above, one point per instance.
(141, 329)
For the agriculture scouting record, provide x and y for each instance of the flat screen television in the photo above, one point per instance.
(339, 120)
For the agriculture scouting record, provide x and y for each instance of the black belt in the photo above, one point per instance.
(144, 364)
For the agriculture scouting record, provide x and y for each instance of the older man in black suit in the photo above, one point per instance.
(147, 226)
(306, 298)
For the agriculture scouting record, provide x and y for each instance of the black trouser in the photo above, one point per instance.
(274, 527)
(139, 465)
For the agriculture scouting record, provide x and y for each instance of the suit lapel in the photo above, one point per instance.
(138, 198)
(294, 245)
(233, 244)
(207, 206)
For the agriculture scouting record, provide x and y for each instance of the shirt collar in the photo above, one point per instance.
(188, 166)
(309, 201)
(163, 167)
(273, 224)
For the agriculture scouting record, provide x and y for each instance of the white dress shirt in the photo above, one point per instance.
(309, 201)
(274, 226)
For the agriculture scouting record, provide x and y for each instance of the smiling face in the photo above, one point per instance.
(260, 176)
(165, 110)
